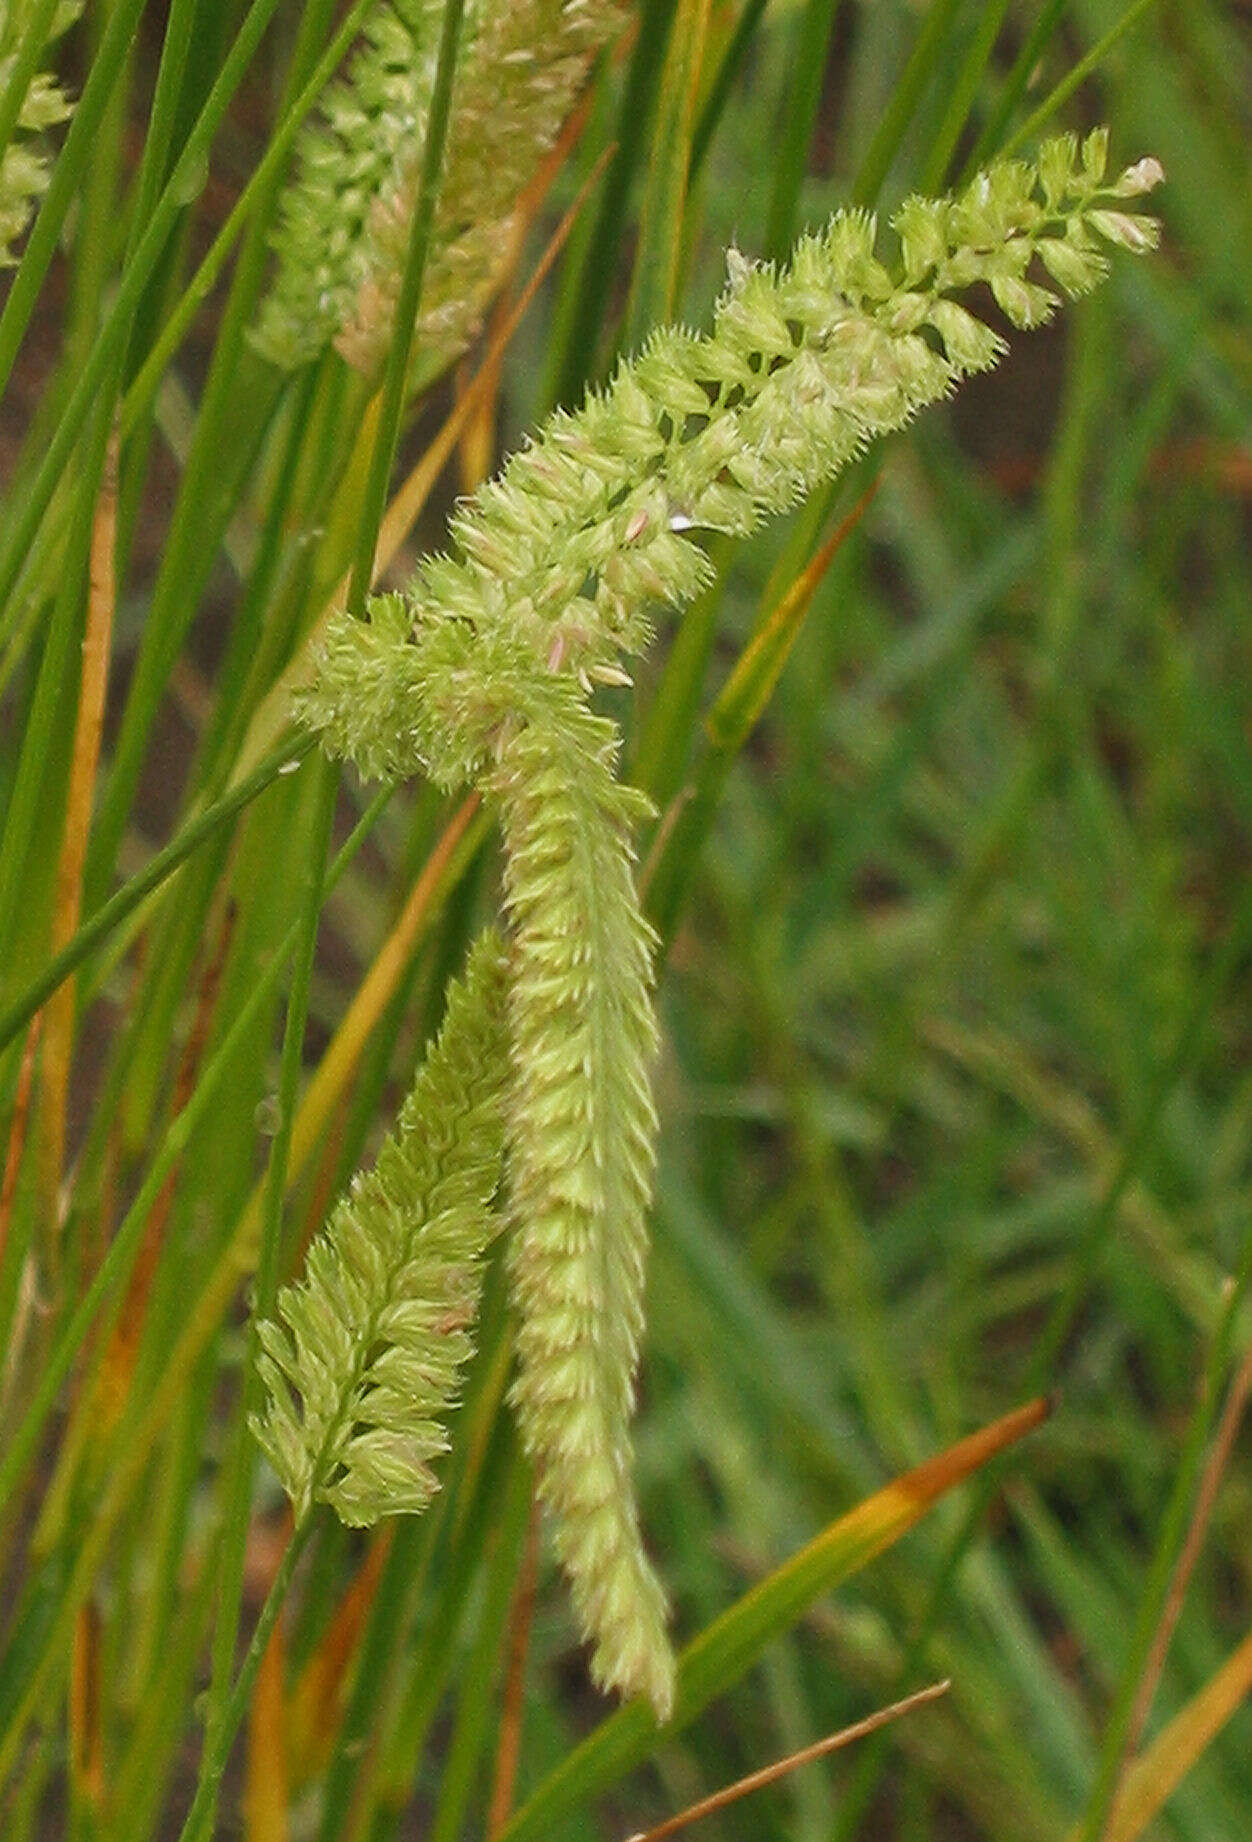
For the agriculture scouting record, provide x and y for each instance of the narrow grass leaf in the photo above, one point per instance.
(654, 291)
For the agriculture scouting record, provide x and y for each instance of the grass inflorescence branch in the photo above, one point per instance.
(346, 220)
(484, 673)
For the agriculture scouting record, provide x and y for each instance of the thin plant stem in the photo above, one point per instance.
(35, 30)
(805, 77)
(106, 67)
(770, 1774)
(918, 72)
(1206, 1497)
(1073, 79)
(281, 760)
(111, 1275)
(723, 83)
(140, 1431)
(143, 387)
(101, 601)
(1085, 1263)
(964, 90)
(655, 271)
(1155, 1595)
(991, 138)
(17, 1128)
(600, 262)
(219, 1742)
(509, 1742)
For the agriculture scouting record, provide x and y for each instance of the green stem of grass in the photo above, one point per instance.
(219, 1742)
(106, 68)
(103, 1297)
(805, 77)
(918, 72)
(599, 268)
(146, 1417)
(35, 30)
(184, 183)
(269, 1261)
(399, 355)
(724, 82)
(1073, 79)
(655, 272)
(255, 194)
(991, 139)
(962, 94)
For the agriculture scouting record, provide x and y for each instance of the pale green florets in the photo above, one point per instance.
(357, 154)
(581, 1128)
(373, 1339)
(25, 161)
(346, 220)
(484, 672)
(594, 521)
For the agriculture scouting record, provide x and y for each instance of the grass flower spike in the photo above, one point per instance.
(594, 521)
(346, 220)
(374, 1336)
(484, 673)
(581, 1129)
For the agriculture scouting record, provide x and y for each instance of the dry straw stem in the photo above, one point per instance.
(86, 1738)
(1153, 1778)
(123, 1348)
(512, 1704)
(100, 1404)
(266, 1784)
(238, 1258)
(315, 1708)
(781, 1768)
(1206, 1497)
(85, 759)
(727, 1648)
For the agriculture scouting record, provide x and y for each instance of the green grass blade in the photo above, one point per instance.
(107, 67)
(654, 286)
(806, 74)
(183, 183)
(124, 902)
(918, 73)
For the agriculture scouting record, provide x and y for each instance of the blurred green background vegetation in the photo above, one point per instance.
(956, 1094)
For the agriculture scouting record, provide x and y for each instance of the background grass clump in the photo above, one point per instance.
(952, 885)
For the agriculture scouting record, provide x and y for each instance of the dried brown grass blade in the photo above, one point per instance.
(508, 1748)
(265, 1797)
(88, 726)
(1206, 1497)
